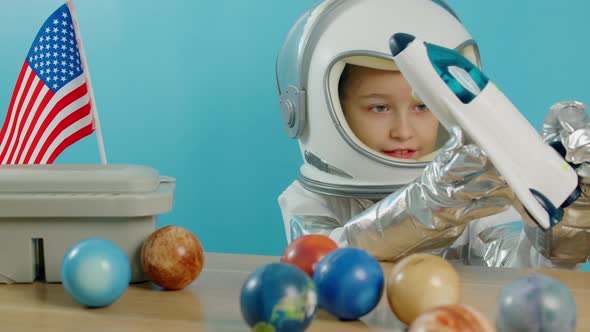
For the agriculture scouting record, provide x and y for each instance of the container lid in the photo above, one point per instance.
(74, 178)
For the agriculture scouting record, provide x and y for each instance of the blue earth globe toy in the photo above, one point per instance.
(278, 297)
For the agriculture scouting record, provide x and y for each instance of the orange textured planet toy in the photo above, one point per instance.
(172, 257)
(451, 318)
(420, 282)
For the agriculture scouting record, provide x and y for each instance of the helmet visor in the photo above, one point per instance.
(379, 115)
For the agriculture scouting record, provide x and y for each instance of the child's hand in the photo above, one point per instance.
(567, 128)
(567, 123)
(430, 213)
(461, 176)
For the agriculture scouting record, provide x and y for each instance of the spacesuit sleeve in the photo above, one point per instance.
(305, 212)
(460, 185)
(567, 126)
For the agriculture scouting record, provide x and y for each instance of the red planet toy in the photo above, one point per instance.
(307, 250)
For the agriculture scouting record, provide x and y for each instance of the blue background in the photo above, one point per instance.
(188, 87)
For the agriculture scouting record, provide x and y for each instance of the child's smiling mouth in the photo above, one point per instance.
(401, 153)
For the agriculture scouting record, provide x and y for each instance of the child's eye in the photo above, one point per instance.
(421, 108)
(379, 108)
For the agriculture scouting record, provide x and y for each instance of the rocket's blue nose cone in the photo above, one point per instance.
(399, 42)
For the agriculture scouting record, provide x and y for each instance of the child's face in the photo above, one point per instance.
(382, 113)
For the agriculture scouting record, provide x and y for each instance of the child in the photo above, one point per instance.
(376, 174)
(379, 108)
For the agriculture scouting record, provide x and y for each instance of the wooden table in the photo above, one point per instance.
(212, 302)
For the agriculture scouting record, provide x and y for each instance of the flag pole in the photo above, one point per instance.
(103, 158)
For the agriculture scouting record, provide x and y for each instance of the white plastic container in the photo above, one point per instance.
(46, 209)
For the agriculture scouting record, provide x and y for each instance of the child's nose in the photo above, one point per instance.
(400, 128)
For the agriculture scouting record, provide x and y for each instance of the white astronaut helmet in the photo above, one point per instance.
(331, 34)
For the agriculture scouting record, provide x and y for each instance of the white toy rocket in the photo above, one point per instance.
(459, 94)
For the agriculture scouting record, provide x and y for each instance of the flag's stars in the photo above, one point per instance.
(54, 55)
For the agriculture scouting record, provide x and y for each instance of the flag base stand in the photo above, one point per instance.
(46, 209)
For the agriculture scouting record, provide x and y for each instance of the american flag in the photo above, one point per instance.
(50, 106)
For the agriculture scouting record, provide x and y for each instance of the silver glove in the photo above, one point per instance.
(569, 241)
(458, 186)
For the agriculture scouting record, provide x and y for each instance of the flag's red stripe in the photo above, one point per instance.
(23, 120)
(48, 95)
(58, 107)
(12, 130)
(19, 81)
(85, 131)
(63, 125)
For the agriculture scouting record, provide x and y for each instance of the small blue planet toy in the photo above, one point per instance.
(278, 297)
(535, 303)
(95, 272)
(349, 282)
